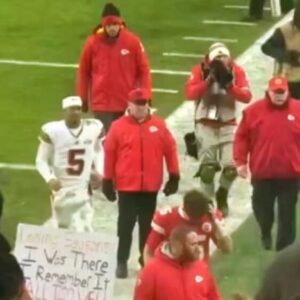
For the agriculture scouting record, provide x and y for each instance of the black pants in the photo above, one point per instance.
(294, 88)
(134, 206)
(107, 117)
(256, 7)
(265, 194)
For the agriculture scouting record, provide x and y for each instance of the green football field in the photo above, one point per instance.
(43, 31)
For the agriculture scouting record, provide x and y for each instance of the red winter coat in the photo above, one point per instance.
(164, 278)
(108, 70)
(135, 154)
(270, 136)
(197, 86)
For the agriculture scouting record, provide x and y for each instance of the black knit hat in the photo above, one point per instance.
(110, 10)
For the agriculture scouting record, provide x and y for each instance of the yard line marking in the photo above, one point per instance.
(170, 72)
(166, 91)
(246, 7)
(17, 166)
(74, 66)
(209, 39)
(37, 63)
(177, 54)
(224, 22)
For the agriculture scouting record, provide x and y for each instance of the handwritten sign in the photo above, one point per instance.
(63, 265)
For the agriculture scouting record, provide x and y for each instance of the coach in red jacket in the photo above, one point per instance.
(176, 273)
(112, 63)
(268, 138)
(135, 149)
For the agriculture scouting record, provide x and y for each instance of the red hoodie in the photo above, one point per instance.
(197, 86)
(109, 70)
(269, 136)
(164, 278)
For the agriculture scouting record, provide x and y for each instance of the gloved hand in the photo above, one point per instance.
(108, 190)
(171, 185)
(223, 75)
(292, 57)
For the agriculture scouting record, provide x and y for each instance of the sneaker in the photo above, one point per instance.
(267, 242)
(221, 199)
(122, 271)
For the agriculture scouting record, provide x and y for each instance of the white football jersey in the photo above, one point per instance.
(73, 154)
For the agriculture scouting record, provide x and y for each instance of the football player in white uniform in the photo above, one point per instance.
(69, 154)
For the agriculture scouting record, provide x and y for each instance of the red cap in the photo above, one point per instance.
(278, 84)
(138, 94)
(111, 20)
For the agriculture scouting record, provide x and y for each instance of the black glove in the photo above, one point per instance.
(222, 74)
(292, 57)
(108, 190)
(171, 186)
(191, 144)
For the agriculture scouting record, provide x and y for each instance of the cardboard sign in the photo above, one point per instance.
(63, 265)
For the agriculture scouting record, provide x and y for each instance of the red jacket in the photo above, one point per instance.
(270, 136)
(197, 86)
(135, 153)
(165, 279)
(108, 70)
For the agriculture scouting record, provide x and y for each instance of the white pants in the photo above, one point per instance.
(72, 209)
(215, 147)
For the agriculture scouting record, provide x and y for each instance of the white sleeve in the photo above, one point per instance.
(99, 157)
(99, 150)
(43, 157)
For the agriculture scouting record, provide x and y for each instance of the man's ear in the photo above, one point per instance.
(177, 248)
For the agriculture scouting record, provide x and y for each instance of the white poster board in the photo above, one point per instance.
(63, 265)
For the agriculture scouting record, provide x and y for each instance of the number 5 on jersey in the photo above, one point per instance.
(75, 161)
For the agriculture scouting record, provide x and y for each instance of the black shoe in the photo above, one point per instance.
(122, 271)
(252, 19)
(221, 198)
(267, 242)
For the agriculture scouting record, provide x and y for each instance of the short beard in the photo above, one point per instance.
(187, 256)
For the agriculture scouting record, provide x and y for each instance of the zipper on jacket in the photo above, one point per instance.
(183, 283)
(142, 153)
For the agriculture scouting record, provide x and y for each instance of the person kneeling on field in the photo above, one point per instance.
(197, 212)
